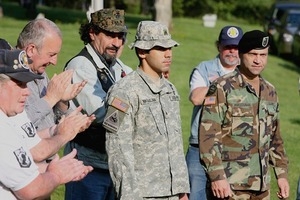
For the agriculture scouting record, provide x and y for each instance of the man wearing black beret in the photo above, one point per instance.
(240, 131)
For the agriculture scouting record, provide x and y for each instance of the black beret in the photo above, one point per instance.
(253, 40)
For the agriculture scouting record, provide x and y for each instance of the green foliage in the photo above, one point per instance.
(131, 6)
(177, 7)
(196, 45)
(195, 8)
(251, 10)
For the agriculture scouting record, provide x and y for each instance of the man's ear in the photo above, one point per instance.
(31, 50)
(92, 35)
(142, 53)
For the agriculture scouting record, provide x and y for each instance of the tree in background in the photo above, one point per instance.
(250, 10)
(163, 12)
(30, 6)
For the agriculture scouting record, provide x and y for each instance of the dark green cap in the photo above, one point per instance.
(111, 20)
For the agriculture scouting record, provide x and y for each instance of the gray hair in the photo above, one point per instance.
(35, 31)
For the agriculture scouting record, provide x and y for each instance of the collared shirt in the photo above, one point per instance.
(17, 168)
(38, 110)
(240, 134)
(92, 98)
(202, 76)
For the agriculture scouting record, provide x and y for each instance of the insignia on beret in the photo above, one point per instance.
(265, 41)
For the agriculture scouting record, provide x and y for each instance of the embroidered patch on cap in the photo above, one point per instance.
(232, 32)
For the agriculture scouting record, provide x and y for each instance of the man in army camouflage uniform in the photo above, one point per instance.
(240, 132)
(97, 63)
(144, 137)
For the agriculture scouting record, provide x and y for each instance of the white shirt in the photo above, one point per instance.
(17, 168)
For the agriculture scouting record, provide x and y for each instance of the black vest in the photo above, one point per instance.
(94, 136)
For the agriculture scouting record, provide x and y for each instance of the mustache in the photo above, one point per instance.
(113, 48)
(231, 55)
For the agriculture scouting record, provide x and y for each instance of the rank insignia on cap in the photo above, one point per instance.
(265, 41)
(119, 104)
(23, 159)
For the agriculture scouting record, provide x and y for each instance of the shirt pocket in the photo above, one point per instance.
(158, 118)
(270, 123)
(242, 120)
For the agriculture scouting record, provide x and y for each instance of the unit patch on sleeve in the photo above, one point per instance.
(115, 114)
(22, 158)
(29, 129)
(111, 122)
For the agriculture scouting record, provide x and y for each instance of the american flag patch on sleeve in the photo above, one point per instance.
(211, 100)
(119, 104)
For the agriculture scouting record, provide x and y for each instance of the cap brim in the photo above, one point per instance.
(24, 77)
(150, 44)
(230, 42)
(120, 29)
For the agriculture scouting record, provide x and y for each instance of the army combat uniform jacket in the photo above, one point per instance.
(144, 142)
(240, 134)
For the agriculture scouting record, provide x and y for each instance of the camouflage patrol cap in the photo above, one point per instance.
(150, 34)
(111, 20)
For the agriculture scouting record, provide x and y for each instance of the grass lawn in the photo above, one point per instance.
(196, 45)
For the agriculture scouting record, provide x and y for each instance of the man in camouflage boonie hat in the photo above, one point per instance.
(143, 114)
(150, 34)
(111, 20)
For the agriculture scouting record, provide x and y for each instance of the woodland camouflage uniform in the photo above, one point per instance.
(240, 134)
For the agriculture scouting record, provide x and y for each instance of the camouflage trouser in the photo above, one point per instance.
(176, 197)
(247, 195)
(251, 195)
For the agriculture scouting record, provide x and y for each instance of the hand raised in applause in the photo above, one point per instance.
(69, 126)
(73, 90)
(58, 86)
(68, 168)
